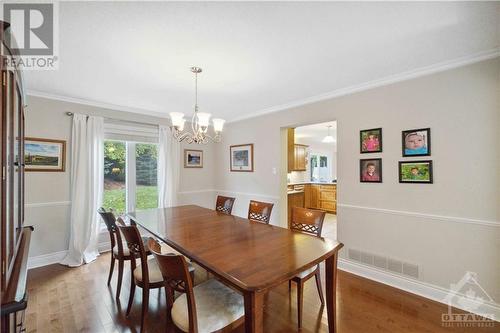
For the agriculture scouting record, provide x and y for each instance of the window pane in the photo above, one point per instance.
(114, 176)
(146, 173)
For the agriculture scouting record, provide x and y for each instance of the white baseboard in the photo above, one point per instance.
(413, 286)
(56, 257)
(46, 259)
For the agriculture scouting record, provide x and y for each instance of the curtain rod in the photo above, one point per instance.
(126, 121)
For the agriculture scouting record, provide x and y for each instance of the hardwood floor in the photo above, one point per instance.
(66, 299)
(330, 226)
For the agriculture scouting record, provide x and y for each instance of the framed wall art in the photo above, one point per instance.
(193, 158)
(241, 158)
(45, 155)
(415, 172)
(370, 141)
(416, 142)
(370, 170)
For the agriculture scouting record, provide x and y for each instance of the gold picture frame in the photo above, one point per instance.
(44, 155)
(241, 158)
(193, 158)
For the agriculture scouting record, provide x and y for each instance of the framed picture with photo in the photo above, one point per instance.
(416, 142)
(370, 170)
(193, 158)
(241, 158)
(44, 155)
(415, 172)
(370, 141)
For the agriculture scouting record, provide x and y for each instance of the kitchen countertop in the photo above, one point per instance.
(294, 192)
(319, 183)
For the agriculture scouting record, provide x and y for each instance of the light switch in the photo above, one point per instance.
(274, 171)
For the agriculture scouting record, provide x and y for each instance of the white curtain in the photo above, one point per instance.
(168, 168)
(87, 176)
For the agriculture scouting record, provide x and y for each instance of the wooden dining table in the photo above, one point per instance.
(250, 257)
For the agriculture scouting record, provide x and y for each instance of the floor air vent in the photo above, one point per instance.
(388, 264)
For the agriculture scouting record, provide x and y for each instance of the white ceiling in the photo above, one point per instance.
(255, 56)
(314, 134)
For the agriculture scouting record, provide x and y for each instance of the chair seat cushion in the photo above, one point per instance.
(153, 271)
(305, 273)
(217, 306)
(126, 251)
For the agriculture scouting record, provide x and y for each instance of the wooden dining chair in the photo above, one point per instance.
(260, 211)
(147, 275)
(208, 307)
(224, 204)
(119, 250)
(307, 221)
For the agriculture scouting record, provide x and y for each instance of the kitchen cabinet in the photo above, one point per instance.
(295, 199)
(297, 153)
(321, 196)
(300, 157)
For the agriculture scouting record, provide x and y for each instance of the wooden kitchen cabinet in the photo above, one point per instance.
(321, 196)
(300, 157)
(297, 153)
(311, 195)
(294, 200)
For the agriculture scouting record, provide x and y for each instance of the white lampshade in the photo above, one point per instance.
(218, 124)
(203, 119)
(177, 119)
(328, 139)
(181, 126)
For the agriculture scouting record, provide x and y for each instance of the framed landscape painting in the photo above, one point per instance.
(415, 172)
(44, 155)
(193, 158)
(241, 157)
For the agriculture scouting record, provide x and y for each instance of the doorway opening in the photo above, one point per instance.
(312, 171)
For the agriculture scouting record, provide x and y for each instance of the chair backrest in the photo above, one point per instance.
(114, 234)
(260, 211)
(175, 272)
(307, 220)
(135, 246)
(224, 204)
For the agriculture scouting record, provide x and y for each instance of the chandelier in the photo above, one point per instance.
(199, 123)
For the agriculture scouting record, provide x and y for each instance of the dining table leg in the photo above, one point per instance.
(254, 312)
(331, 291)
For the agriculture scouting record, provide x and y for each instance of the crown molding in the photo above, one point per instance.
(109, 106)
(404, 76)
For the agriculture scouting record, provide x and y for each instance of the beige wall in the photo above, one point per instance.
(48, 193)
(446, 228)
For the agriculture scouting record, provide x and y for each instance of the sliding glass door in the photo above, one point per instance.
(130, 176)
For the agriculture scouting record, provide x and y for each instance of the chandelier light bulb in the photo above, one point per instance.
(218, 124)
(177, 119)
(181, 126)
(203, 119)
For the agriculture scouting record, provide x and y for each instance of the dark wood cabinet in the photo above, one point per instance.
(15, 237)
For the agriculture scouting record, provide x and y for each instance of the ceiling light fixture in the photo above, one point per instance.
(328, 138)
(199, 123)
